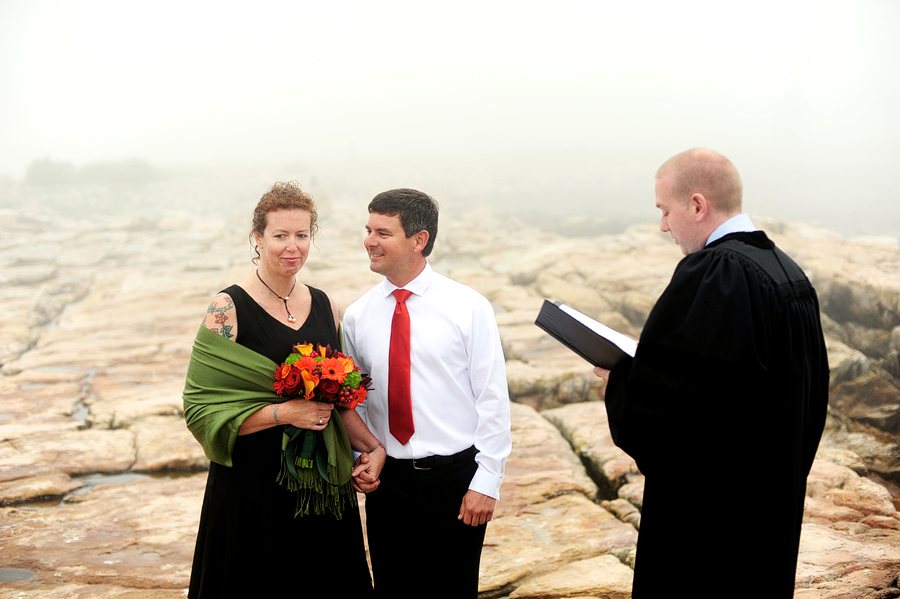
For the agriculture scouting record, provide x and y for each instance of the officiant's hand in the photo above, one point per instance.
(305, 413)
(603, 373)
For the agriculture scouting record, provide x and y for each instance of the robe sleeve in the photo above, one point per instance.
(706, 337)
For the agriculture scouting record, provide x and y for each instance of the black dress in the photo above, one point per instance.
(249, 543)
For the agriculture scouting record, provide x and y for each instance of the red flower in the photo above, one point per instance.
(358, 396)
(330, 390)
(324, 375)
(291, 380)
(281, 372)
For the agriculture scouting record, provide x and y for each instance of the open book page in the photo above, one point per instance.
(626, 344)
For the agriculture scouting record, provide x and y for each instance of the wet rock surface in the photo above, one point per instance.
(95, 333)
(851, 524)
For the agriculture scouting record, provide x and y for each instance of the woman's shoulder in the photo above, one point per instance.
(317, 294)
(221, 315)
(324, 303)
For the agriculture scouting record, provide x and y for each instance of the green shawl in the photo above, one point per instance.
(226, 383)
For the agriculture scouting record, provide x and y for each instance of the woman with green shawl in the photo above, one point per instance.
(266, 528)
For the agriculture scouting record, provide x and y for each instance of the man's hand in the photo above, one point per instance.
(366, 471)
(602, 373)
(476, 509)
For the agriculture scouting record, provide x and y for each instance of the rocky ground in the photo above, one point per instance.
(101, 484)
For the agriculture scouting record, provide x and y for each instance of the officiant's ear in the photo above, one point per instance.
(699, 207)
(421, 240)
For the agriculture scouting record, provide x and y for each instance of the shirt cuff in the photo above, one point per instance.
(486, 483)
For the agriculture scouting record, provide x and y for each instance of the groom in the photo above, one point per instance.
(440, 405)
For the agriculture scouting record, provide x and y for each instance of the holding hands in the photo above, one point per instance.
(367, 469)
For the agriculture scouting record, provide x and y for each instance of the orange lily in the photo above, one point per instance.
(309, 383)
(304, 350)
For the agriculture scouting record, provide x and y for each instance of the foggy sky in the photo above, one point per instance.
(578, 102)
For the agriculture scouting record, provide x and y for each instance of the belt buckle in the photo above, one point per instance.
(417, 467)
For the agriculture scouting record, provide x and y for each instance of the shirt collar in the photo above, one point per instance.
(736, 224)
(417, 286)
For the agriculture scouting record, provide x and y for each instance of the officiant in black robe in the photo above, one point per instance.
(724, 403)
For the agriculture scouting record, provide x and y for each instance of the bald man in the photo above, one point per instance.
(724, 402)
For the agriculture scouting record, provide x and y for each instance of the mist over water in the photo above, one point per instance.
(558, 115)
(569, 193)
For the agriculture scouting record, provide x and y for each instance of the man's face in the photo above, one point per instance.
(679, 218)
(391, 253)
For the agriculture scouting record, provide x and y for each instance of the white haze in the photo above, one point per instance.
(562, 107)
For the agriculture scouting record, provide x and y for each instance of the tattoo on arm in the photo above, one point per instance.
(218, 313)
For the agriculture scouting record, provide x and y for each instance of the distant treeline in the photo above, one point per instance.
(132, 173)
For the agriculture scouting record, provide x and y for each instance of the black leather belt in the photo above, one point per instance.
(435, 461)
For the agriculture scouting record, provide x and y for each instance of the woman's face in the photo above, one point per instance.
(284, 244)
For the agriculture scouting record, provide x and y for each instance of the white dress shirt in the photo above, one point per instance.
(457, 377)
(736, 224)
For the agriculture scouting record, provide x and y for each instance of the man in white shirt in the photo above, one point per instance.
(427, 508)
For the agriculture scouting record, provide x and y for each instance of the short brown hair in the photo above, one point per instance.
(417, 210)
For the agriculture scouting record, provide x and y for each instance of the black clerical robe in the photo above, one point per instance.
(722, 408)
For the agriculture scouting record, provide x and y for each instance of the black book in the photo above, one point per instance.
(593, 341)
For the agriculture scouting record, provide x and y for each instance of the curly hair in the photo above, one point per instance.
(282, 196)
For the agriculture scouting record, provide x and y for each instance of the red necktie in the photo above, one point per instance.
(399, 399)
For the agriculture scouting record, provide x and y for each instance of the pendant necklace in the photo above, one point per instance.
(284, 299)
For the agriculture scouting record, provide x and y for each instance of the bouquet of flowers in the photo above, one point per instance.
(316, 464)
(322, 374)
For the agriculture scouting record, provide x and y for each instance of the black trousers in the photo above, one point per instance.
(417, 545)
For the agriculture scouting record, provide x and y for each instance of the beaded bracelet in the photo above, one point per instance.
(376, 446)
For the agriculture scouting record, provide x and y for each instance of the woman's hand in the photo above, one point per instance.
(302, 413)
(305, 413)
